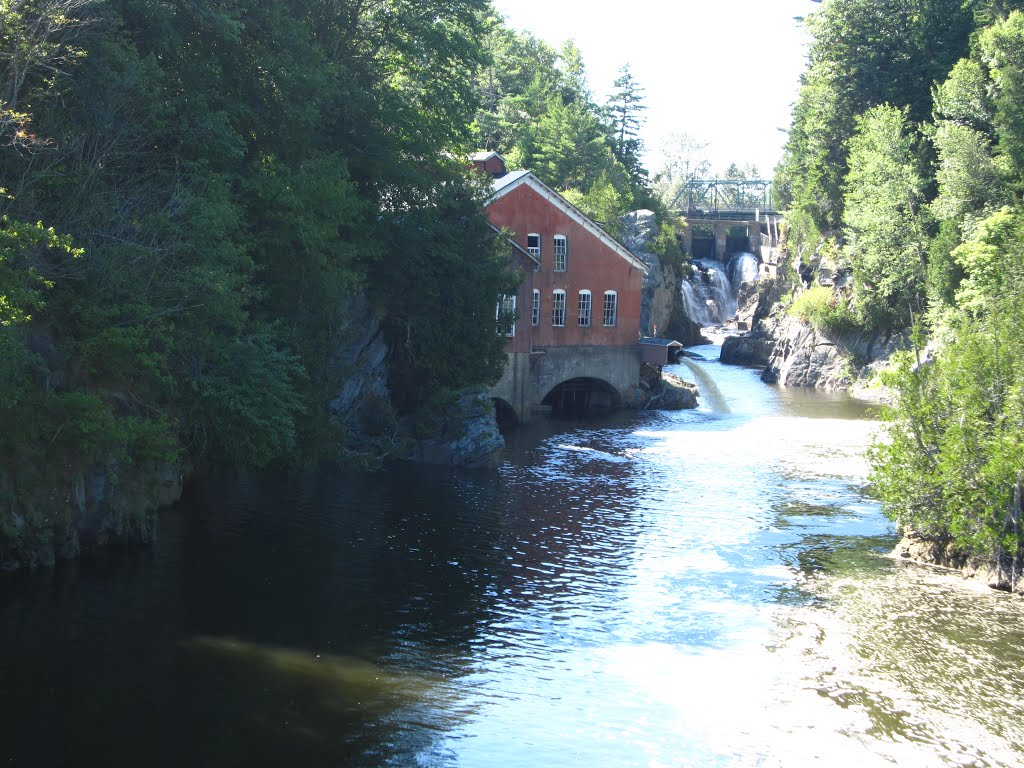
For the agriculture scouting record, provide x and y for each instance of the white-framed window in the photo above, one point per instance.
(505, 314)
(533, 245)
(558, 307)
(561, 251)
(535, 316)
(584, 305)
(611, 306)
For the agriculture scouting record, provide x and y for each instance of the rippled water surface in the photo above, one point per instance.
(705, 588)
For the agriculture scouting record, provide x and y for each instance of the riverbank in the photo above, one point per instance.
(943, 553)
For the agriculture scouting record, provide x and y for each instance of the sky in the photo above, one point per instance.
(725, 72)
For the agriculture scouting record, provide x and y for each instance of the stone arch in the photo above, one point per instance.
(581, 396)
(505, 414)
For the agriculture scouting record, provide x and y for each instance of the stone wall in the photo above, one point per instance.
(529, 377)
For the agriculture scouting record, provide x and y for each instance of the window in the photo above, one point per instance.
(584, 308)
(611, 300)
(535, 317)
(533, 245)
(561, 253)
(505, 314)
(558, 308)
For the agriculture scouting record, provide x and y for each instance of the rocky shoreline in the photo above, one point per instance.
(943, 553)
(791, 353)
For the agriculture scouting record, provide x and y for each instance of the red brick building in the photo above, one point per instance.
(578, 305)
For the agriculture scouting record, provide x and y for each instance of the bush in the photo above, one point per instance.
(824, 310)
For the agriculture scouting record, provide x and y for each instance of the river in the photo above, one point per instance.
(701, 588)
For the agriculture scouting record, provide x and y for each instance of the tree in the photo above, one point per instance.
(625, 107)
(1002, 51)
(951, 466)
(863, 54)
(684, 158)
(884, 222)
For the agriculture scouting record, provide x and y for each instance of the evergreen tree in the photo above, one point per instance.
(625, 107)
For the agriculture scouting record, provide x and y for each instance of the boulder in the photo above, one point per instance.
(361, 361)
(752, 349)
(666, 391)
(674, 394)
(466, 434)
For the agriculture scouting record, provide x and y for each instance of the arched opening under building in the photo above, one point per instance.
(577, 398)
(504, 414)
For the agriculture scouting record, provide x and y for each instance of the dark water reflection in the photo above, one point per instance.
(651, 589)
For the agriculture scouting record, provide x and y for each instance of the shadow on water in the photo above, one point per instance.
(702, 587)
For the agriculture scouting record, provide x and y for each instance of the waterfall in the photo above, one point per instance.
(742, 268)
(708, 389)
(709, 294)
(695, 303)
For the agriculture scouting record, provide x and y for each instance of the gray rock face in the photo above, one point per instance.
(674, 394)
(468, 435)
(661, 304)
(753, 349)
(361, 357)
(803, 357)
(665, 391)
(108, 502)
(794, 354)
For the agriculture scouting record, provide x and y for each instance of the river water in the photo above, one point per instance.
(702, 588)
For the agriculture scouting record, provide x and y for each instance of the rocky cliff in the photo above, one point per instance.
(114, 496)
(661, 305)
(794, 354)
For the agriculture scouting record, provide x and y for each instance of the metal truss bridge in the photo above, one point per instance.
(725, 198)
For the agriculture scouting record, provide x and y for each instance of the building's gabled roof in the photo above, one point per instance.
(484, 155)
(655, 342)
(518, 247)
(502, 186)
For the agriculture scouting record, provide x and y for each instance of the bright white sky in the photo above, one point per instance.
(724, 71)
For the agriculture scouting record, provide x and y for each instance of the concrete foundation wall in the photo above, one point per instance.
(529, 377)
(721, 230)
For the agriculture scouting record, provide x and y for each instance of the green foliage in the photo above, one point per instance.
(442, 326)
(992, 261)
(604, 203)
(952, 454)
(944, 274)
(538, 112)
(665, 245)
(28, 253)
(863, 54)
(245, 400)
(1002, 50)
(824, 310)
(969, 180)
(884, 222)
(625, 106)
(229, 176)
